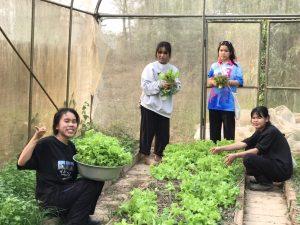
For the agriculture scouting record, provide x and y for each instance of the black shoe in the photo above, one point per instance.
(260, 187)
(252, 180)
(93, 221)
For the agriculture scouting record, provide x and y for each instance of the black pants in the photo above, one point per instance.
(216, 118)
(264, 170)
(76, 201)
(153, 124)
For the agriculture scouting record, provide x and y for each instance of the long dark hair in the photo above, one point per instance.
(163, 44)
(58, 116)
(230, 47)
(261, 111)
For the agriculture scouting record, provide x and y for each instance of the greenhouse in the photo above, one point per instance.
(89, 55)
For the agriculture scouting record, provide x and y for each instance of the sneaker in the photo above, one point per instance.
(157, 158)
(252, 180)
(145, 159)
(93, 221)
(260, 187)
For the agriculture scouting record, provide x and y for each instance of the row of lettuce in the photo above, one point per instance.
(196, 183)
(198, 187)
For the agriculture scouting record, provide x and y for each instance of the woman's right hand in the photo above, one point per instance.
(166, 85)
(212, 82)
(216, 150)
(39, 132)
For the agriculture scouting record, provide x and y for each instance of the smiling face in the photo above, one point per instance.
(67, 126)
(259, 122)
(163, 55)
(224, 53)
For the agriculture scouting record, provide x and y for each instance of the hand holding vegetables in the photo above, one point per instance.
(168, 82)
(221, 81)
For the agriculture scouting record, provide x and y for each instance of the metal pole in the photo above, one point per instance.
(208, 17)
(259, 61)
(253, 20)
(267, 64)
(235, 21)
(118, 16)
(69, 54)
(68, 7)
(31, 68)
(254, 16)
(27, 67)
(203, 80)
(284, 88)
(97, 7)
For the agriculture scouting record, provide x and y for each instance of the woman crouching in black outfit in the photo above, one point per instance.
(267, 154)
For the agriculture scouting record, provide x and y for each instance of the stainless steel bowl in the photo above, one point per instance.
(98, 173)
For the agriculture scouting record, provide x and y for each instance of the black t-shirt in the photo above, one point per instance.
(54, 165)
(272, 144)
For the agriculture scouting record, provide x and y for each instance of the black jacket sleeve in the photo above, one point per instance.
(251, 141)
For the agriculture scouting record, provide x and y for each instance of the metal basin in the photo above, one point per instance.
(98, 173)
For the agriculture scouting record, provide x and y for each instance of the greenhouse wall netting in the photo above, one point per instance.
(93, 51)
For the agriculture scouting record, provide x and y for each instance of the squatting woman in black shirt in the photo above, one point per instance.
(267, 156)
(56, 171)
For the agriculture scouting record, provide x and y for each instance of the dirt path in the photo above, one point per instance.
(265, 208)
(137, 177)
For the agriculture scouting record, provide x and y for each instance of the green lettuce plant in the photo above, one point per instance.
(95, 148)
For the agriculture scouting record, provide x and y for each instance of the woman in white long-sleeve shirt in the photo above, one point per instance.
(156, 109)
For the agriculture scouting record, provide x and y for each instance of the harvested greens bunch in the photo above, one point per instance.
(97, 149)
(169, 77)
(221, 81)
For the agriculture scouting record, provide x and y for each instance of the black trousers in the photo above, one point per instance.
(264, 170)
(153, 124)
(216, 118)
(76, 201)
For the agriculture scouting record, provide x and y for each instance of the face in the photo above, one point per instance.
(259, 122)
(224, 53)
(162, 56)
(67, 125)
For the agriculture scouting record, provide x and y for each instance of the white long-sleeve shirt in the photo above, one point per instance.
(150, 84)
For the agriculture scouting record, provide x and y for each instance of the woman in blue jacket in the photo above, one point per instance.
(221, 100)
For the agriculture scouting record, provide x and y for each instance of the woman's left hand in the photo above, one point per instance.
(233, 83)
(229, 159)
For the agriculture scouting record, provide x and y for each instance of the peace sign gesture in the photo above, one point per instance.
(39, 132)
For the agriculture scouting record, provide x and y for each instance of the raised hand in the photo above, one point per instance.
(39, 132)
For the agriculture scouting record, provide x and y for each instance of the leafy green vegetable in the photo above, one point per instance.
(169, 77)
(199, 184)
(95, 148)
(221, 81)
(17, 202)
(142, 208)
(16, 211)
